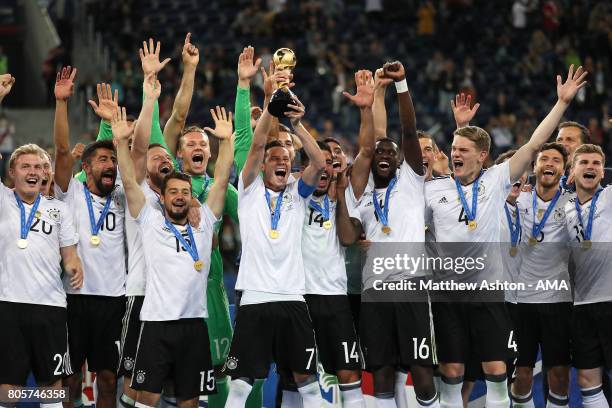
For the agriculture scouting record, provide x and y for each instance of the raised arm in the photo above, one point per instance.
(565, 93)
(363, 99)
(225, 159)
(378, 108)
(6, 84)
(347, 228)
(312, 173)
(254, 159)
(142, 131)
(106, 106)
(180, 109)
(410, 143)
(121, 134)
(247, 69)
(64, 85)
(461, 109)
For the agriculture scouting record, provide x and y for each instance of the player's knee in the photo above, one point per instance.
(107, 382)
(384, 380)
(422, 381)
(494, 367)
(452, 370)
(348, 376)
(558, 379)
(589, 378)
(523, 380)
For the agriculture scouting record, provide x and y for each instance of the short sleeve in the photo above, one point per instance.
(500, 174)
(63, 195)
(145, 214)
(351, 203)
(208, 218)
(243, 192)
(67, 235)
(408, 179)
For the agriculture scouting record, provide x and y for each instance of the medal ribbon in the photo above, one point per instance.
(25, 226)
(383, 214)
(275, 216)
(589, 228)
(469, 213)
(95, 226)
(192, 249)
(325, 210)
(537, 228)
(515, 228)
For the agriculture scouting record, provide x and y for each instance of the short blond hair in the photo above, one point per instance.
(29, 148)
(588, 148)
(477, 135)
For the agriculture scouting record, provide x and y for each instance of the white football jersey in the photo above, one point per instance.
(104, 266)
(267, 264)
(406, 209)
(447, 214)
(33, 275)
(174, 288)
(592, 281)
(136, 279)
(548, 259)
(322, 252)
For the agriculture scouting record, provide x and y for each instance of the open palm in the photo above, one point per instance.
(364, 97)
(149, 58)
(574, 81)
(64, 83)
(107, 102)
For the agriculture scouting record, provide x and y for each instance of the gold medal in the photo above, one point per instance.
(513, 251)
(37, 214)
(386, 229)
(22, 243)
(273, 234)
(586, 244)
(472, 225)
(327, 224)
(532, 241)
(94, 240)
(198, 265)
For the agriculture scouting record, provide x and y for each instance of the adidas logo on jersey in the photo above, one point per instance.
(443, 200)
(128, 364)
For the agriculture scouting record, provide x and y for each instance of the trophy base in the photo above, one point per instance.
(279, 101)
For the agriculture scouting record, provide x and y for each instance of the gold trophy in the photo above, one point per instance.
(284, 60)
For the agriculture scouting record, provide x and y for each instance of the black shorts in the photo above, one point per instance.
(335, 335)
(484, 328)
(34, 339)
(178, 351)
(129, 335)
(591, 329)
(279, 332)
(397, 334)
(94, 331)
(355, 302)
(545, 326)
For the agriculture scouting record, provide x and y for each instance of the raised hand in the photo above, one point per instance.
(297, 113)
(6, 83)
(379, 81)
(461, 109)
(64, 83)
(151, 86)
(364, 97)
(440, 165)
(247, 69)
(272, 78)
(149, 58)
(394, 70)
(574, 81)
(77, 151)
(223, 123)
(190, 54)
(119, 124)
(107, 102)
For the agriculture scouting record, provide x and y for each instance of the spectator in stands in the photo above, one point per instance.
(7, 144)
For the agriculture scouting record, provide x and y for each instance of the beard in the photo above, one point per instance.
(104, 189)
(177, 216)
